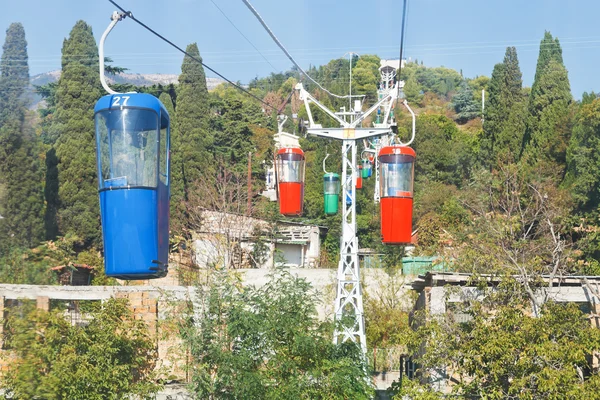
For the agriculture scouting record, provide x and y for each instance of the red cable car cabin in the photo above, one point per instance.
(290, 176)
(359, 178)
(396, 193)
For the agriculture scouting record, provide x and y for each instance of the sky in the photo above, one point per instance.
(467, 35)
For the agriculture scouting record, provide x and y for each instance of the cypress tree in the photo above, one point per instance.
(20, 175)
(493, 115)
(550, 115)
(505, 113)
(78, 89)
(191, 139)
(583, 157)
(549, 50)
(548, 127)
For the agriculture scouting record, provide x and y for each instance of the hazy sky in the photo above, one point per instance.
(462, 34)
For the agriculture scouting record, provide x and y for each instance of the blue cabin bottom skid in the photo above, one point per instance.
(130, 222)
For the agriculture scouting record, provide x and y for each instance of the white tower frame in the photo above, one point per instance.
(349, 301)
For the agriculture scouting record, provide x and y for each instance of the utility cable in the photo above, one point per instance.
(244, 36)
(130, 15)
(264, 24)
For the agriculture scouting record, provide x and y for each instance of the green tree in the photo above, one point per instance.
(549, 124)
(505, 113)
(191, 138)
(386, 317)
(77, 91)
(443, 154)
(587, 98)
(267, 343)
(582, 179)
(464, 104)
(549, 50)
(365, 77)
(583, 158)
(412, 91)
(502, 351)
(112, 357)
(20, 173)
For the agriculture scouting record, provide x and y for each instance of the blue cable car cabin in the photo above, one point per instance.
(132, 142)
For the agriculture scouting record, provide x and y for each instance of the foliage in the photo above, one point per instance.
(505, 113)
(582, 180)
(240, 127)
(464, 104)
(502, 351)
(110, 357)
(33, 266)
(20, 173)
(365, 77)
(438, 80)
(24, 266)
(441, 149)
(191, 138)
(386, 312)
(73, 126)
(549, 123)
(267, 343)
(582, 156)
(587, 98)
(516, 225)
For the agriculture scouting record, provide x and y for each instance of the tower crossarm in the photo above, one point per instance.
(307, 98)
(388, 100)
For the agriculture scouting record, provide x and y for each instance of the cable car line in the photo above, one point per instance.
(130, 15)
(244, 36)
(401, 43)
(264, 24)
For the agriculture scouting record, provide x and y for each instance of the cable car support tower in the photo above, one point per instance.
(349, 301)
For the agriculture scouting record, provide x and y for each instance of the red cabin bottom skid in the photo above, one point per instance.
(396, 220)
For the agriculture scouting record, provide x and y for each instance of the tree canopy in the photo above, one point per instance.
(21, 201)
(267, 343)
(110, 357)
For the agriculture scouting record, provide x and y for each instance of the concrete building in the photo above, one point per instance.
(238, 241)
(391, 64)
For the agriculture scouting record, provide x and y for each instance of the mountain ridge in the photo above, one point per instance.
(133, 78)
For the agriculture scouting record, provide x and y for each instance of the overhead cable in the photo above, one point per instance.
(244, 36)
(130, 15)
(402, 42)
(263, 23)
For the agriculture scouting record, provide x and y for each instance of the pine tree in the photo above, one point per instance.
(505, 113)
(464, 104)
(20, 176)
(78, 90)
(191, 138)
(548, 127)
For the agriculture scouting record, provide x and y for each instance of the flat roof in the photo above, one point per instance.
(433, 279)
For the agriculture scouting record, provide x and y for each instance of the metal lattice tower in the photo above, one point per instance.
(349, 300)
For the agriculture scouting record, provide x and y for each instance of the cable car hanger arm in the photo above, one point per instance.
(413, 123)
(115, 17)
